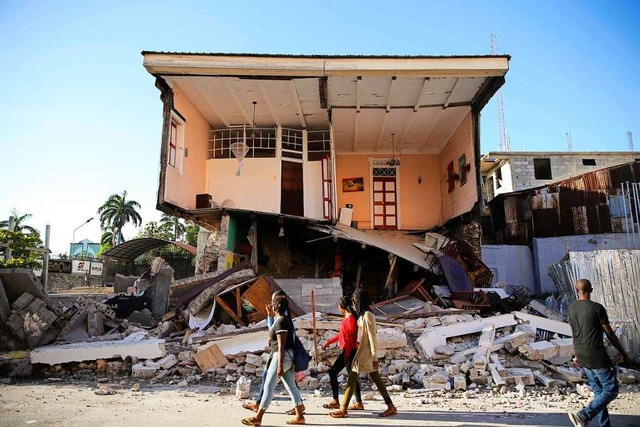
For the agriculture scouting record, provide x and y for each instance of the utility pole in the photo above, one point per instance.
(630, 138)
(505, 144)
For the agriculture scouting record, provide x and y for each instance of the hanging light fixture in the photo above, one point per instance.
(393, 161)
(253, 123)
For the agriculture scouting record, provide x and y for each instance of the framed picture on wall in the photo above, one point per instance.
(352, 184)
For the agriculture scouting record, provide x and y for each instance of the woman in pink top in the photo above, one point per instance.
(347, 340)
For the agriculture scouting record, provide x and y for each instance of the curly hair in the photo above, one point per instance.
(281, 304)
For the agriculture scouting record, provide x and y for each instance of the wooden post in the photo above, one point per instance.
(313, 322)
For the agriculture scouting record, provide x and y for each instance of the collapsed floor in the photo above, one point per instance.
(423, 348)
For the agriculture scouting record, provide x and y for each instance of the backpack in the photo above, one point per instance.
(300, 356)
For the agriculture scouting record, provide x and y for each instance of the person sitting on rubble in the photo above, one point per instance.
(271, 314)
(280, 365)
(365, 360)
(347, 340)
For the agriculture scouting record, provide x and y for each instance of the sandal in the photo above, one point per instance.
(293, 411)
(253, 421)
(295, 422)
(358, 406)
(392, 410)
(250, 407)
(331, 405)
(339, 414)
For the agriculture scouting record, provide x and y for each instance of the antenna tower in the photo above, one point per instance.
(630, 138)
(569, 142)
(504, 139)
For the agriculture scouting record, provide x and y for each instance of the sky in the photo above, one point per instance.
(81, 117)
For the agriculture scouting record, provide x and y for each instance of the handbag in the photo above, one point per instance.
(301, 357)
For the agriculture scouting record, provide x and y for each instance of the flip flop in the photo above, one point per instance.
(331, 406)
(251, 421)
(356, 407)
(293, 411)
(389, 412)
(249, 406)
(295, 422)
(338, 414)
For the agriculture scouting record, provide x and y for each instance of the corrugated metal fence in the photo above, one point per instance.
(615, 275)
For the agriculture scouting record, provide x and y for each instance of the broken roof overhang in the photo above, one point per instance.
(395, 242)
(132, 249)
(363, 99)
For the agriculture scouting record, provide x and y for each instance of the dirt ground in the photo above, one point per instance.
(55, 403)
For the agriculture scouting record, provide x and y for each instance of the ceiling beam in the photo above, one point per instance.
(388, 107)
(207, 100)
(423, 91)
(356, 131)
(358, 94)
(296, 102)
(234, 95)
(453, 89)
(406, 130)
(382, 128)
(265, 97)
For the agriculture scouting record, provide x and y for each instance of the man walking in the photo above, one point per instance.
(588, 321)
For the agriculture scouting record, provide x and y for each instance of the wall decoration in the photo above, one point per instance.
(352, 184)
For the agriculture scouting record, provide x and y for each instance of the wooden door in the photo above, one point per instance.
(385, 212)
(292, 196)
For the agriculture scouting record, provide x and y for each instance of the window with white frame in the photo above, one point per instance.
(175, 152)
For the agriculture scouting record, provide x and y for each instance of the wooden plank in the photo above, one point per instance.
(230, 311)
(186, 298)
(210, 357)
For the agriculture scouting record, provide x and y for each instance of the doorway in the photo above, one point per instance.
(292, 196)
(385, 210)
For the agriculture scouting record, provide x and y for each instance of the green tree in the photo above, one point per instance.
(155, 230)
(116, 212)
(191, 235)
(20, 225)
(18, 242)
(174, 225)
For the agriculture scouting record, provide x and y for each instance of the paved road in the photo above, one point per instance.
(58, 404)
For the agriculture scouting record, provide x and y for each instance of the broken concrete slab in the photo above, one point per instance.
(5, 307)
(79, 352)
(481, 356)
(17, 281)
(548, 313)
(565, 346)
(141, 371)
(514, 376)
(168, 362)
(248, 342)
(432, 338)
(538, 322)
(495, 375)
(519, 338)
(540, 350)
(544, 380)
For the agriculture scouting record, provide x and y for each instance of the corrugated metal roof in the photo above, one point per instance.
(132, 249)
(284, 55)
(576, 205)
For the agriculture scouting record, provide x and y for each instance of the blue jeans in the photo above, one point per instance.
(289, 379)
(604, 383)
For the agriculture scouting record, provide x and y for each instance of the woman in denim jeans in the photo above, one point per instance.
(280, 366)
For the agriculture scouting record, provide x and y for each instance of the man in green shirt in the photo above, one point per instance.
(588, 322)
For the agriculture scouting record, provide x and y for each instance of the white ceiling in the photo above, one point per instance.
(422, 101)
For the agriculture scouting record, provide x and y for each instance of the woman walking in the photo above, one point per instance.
(347, 340)
(365, 361)
(281, 365)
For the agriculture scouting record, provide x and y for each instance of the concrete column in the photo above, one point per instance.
(160, 294)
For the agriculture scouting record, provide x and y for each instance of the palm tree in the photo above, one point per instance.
(19, 226)
(116, 212)
(173, 224)
(107, 236)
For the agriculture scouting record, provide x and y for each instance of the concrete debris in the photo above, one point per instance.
(78, 352)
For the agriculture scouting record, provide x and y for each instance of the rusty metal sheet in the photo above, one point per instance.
(604, 219)
(545, 223)
(580, 223)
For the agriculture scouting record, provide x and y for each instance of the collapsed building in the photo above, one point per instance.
(316, 175)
